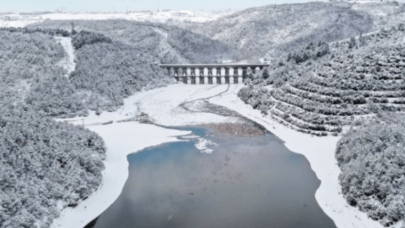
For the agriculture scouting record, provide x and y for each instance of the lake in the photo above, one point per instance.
(249, 180)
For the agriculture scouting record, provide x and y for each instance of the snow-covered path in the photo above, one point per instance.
(67, 63)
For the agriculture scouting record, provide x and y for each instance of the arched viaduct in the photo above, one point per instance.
(212, 73)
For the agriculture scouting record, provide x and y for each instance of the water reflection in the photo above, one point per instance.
(247, 182)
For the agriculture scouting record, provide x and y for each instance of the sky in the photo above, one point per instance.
(132, 5)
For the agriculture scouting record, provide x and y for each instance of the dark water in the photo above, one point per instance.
(247, 182)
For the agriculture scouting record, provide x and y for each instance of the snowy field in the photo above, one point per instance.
(22, 20)
(162, 106)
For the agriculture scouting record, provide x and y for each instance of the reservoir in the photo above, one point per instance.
(249, 180)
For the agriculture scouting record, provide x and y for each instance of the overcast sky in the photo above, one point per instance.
(123, 5)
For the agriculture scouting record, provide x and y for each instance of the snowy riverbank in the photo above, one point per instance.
(162, 106)
(320, 152)
(121, 139)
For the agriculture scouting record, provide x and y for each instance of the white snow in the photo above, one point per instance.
(203, 145)
(190, 137)
(162, 105)
(121, 139)
(67, 63)
(173, 16)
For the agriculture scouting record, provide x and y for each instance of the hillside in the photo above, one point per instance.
(31, 74)
(372, 160)
(358, 83)
(106, 71)
(170, 44)
(44, 166)
(58, 163)
(356, 80)
(269, 31)
(251, 35)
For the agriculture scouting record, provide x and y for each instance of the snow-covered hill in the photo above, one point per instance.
(169, 43)
(357, 84)
(268, 31)
(257, 34)
(355, 80)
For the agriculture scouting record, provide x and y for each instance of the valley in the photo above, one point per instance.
(81, 94)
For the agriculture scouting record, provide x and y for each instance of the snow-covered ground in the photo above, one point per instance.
(121, 139)
(162, 106)
(69, 62)
(22, 20)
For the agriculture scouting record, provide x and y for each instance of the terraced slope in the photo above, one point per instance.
(357, 80)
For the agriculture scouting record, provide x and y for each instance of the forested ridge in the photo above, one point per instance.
(44, 166)
(269, 31)
(47, 165)
(323, 87)
(169, 43)
(356, 83)
(372, 160)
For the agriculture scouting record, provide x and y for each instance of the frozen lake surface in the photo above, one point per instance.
(250, 180)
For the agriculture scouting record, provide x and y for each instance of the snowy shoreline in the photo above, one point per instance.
(121, 139)
(119, 146)
(161, 105)
(320, 152)
(124, 138)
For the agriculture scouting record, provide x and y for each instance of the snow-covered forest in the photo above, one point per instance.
(321, 88)
(269, 31)
(106, 71)
(58, 163)
(372, 159)
(44, 166)
(169, 43)
(30, 74)
(266, 32)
